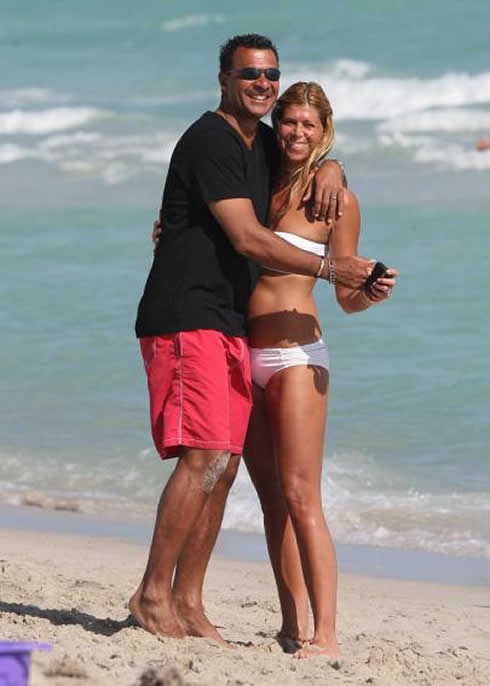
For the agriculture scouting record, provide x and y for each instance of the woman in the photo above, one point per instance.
(284, 451)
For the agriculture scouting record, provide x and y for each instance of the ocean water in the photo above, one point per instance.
(92, 100)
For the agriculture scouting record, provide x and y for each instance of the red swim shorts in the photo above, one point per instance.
(200, 390)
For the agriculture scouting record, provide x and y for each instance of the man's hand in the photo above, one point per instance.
(352, 271)
(327, 191)
(155, 234)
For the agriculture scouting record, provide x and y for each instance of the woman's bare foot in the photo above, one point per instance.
(154, 616)
(322, 645)
(195, 623)
(327, 649)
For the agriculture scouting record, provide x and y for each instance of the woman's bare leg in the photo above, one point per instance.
(281, 539)
(297, 403)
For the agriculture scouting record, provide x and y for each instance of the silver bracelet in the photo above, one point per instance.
(332, 277)
(320, 268)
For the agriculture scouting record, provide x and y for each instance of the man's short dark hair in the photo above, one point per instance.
(246, 40)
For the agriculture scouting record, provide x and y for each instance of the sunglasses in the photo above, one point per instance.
(254, 73)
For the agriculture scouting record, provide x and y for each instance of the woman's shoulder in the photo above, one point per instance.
(350, 221)
(351, 210)
(350, 198)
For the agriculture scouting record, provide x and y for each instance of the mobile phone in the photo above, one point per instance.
(379, 270)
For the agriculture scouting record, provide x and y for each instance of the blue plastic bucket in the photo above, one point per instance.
(15, 661)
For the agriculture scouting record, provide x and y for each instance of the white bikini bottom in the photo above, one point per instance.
(267, 361)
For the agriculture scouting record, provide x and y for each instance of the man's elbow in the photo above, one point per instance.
(345, 301)
(245, 244)
(242, 245)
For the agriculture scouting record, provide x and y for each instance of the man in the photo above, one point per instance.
(192, 325)
(483, 144)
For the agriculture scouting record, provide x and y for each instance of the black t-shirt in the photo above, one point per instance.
(198, 280)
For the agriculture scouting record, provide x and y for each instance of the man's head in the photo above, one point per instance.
(252, 41)
(249, 76)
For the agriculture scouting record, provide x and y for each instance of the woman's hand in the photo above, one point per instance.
(155, 234)
(383, 287)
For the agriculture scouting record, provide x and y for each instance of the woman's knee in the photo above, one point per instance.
(302, 499)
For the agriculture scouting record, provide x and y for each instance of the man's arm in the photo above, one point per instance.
(326, 191)
(237, 218)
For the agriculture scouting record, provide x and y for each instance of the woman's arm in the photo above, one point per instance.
(344, 240)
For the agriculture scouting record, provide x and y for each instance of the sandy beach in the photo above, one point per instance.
(71, 591)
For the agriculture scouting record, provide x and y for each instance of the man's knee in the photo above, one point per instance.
(215, 470)
(228, 477)
(206, 466)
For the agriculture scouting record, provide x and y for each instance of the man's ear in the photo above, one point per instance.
(222, 78)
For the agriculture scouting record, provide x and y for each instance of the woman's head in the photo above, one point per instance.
(303, 122)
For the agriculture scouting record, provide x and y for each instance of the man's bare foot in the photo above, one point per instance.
(195, 623)
(155, 617)
(290, 644)
(315, 649)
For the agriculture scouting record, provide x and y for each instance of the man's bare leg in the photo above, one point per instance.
(179, 511)
(194, 559)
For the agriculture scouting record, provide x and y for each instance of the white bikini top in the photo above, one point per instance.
(320, 249)
(303, 243)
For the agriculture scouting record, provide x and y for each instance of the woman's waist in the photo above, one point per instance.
(271, 351)
(273, 293)
(283, 328)
(275, 280)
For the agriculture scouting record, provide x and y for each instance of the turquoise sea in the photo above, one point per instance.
(93, 97)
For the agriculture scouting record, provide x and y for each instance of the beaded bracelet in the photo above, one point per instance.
(332, 276)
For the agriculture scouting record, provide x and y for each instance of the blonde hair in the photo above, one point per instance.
(305, 93)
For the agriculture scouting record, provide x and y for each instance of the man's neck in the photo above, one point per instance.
(246, 127)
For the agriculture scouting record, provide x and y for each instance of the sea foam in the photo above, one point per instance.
(357, 91)
(192, 21)
(408, 115)
(113, 158)
(46, 121)
(450, 120)
(18, 97)
(361, 509)
(453, 157)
